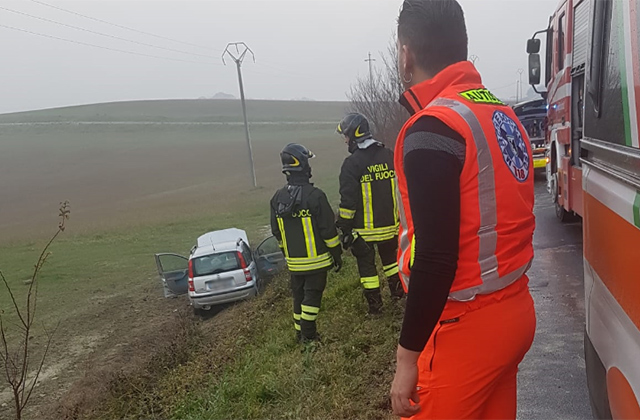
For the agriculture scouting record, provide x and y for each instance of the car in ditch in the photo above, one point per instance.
(221, 268)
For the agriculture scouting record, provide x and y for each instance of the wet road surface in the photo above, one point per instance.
(552, 380)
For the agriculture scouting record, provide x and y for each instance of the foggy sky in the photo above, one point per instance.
(304, 48)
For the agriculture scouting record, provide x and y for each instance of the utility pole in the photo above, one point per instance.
(473, 58)
(241, 50)
(370, 61)
(520, 71)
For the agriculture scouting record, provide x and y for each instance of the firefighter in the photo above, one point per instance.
(303, 222)
(368, 215)
(466, 182)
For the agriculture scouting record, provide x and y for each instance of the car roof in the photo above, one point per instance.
(219, 241)
(217, 249)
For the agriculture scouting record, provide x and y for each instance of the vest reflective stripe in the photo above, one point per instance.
(367, 202)
(284, 237)
(487, 235)
(309, 238)
(394, 192)
(491, 286)
(486, 194)
(404, 242)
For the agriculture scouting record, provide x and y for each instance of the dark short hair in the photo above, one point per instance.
(435, 32)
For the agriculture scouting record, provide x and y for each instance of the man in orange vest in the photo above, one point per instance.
(465, 177)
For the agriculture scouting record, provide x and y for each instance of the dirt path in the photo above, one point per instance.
(116, 336)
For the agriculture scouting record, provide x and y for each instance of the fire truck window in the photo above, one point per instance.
(577, 109)
(561, 42)
(610, 123)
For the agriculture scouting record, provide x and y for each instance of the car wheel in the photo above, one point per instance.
(199, 312)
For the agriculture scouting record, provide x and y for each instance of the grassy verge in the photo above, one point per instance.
(247, 364)
(243, 363)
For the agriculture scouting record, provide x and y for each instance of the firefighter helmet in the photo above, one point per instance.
(356, 128)
(295, 158)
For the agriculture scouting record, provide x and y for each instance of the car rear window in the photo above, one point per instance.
(215, 263)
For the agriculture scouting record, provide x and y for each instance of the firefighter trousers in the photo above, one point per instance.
(366, 257)
(307, 292)
(468, 368)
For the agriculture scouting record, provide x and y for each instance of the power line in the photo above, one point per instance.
(102, 34)
(102, 47)
(504, 87)
(280, 70)
(118, 26)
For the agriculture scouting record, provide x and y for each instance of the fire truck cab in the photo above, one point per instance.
(593, 170)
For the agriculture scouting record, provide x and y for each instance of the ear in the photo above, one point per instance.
(408, 65)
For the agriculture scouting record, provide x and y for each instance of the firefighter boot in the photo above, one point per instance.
(395, 287)
(374, 299)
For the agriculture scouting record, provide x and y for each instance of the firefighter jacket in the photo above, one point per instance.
(496, 182)
(368, 202)
(303, 222)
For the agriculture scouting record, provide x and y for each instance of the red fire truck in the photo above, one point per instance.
(593, 170)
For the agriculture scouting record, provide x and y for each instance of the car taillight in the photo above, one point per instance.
(192, 288)
(245, 268)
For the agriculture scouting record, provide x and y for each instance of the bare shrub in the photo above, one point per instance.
(377, 98)
(16, 357)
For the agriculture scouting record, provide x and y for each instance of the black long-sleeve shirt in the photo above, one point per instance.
(434, 155)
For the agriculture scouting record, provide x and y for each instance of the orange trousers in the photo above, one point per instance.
(468, 368)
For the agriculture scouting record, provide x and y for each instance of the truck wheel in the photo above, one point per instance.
(562, 215)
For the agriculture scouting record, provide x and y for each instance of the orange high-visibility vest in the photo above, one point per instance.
(496, 182)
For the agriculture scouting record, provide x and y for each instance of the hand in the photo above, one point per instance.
(347, 239)
(404, 389)
(337, 262)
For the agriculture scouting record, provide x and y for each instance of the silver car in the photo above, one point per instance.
(221, 268)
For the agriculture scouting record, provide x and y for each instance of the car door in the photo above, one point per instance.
(174, 272)
(269, 257)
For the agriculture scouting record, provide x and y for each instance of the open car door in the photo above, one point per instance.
(269, 257)
(174, 272)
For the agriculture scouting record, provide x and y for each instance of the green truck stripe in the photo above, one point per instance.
(624, 87)
(636, 210)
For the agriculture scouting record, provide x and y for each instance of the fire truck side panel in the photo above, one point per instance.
(611, 222)
(612, 290)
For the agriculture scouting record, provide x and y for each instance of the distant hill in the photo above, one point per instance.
(192, 110)
(222, 95)
(219, 95)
